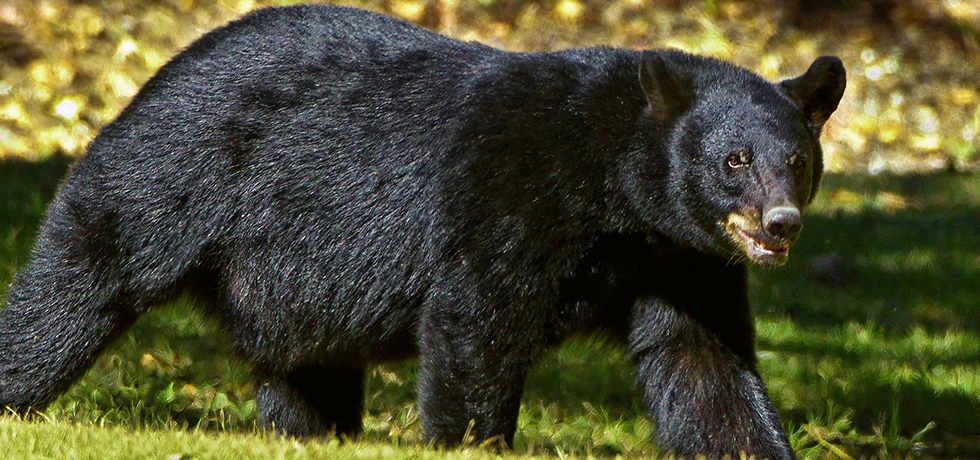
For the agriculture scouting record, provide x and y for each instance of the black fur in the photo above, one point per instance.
(343, 189)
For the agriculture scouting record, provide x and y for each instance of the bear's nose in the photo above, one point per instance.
(783, 222)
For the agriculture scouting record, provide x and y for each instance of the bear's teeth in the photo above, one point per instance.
(759, 245)
(763, 249)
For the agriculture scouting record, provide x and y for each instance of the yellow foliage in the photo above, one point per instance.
(13, 110)
(85, 22)
(770, 66)
(127, 47)
(120, 84)
(569, 10)
(964, 96)
(13, 144)
(926, 142)
(68, 108)
(189, 390)
(150, 362)
(913, 94)
(891, 131)
(408, 9)
(892, 201)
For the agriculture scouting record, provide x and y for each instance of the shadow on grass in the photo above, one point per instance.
(917, 264)
(909, 267)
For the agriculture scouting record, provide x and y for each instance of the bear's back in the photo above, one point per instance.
(302, 128)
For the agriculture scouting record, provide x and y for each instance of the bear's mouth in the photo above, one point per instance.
(759, 246)
(763, 252)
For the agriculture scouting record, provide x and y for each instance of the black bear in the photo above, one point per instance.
(341, 189)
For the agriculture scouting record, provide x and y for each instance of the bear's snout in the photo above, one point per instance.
(783, 222)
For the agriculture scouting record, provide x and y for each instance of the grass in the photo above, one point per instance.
(59, 440)
(869, 341)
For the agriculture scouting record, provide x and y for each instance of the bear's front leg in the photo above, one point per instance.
(473, 363)
(695, 362)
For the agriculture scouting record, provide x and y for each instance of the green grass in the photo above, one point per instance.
(874, 355)
(57, 440)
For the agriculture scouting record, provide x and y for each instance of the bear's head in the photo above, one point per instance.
(725, 161)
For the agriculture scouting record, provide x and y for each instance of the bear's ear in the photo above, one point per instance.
(818, 91)
(664, 85)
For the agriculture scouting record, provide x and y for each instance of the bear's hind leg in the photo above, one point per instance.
(313, 401)
(472, 370)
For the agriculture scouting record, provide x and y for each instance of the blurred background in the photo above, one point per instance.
(67, 67)
(869, 338)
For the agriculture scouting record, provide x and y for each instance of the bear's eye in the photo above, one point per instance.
(739, 159)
